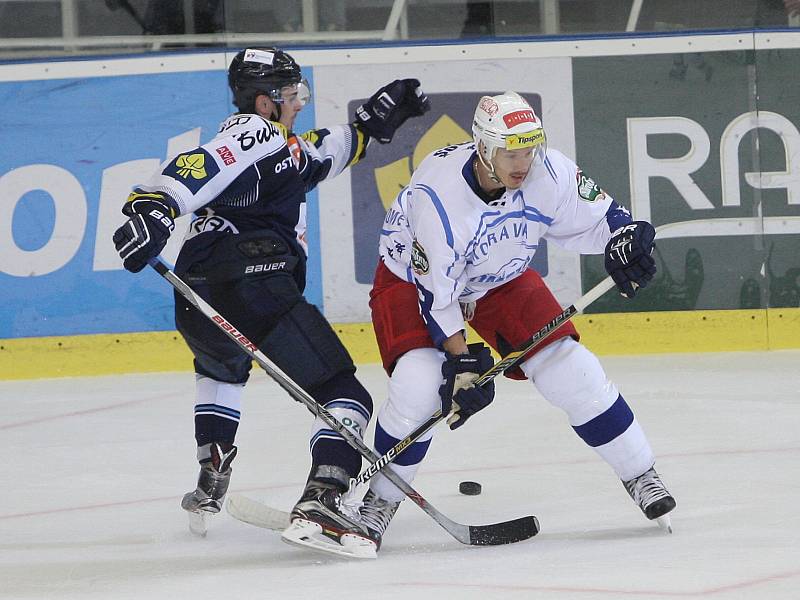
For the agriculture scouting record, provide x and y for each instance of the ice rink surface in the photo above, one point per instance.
(94, 468)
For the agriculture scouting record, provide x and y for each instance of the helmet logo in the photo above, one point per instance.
(259, 56)
(519, 116)
(489, 106)
(524, 140)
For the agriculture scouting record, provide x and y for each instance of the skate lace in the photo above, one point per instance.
(647, 489)
(376, 513)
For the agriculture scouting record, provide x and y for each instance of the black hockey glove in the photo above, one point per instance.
(458, 391)
(145, 233)
(390, 107)
(628, 257)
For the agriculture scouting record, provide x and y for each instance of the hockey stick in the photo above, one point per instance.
(262, 515)
(494, 534)
(510, 361)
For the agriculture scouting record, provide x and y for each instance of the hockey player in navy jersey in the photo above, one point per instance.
(455, 247)
(245, 254)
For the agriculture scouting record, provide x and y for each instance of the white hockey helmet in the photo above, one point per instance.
(507, 121)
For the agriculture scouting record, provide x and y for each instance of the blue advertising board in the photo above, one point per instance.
(72, 150)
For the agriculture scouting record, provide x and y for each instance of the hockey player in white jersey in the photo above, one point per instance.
(245, 254)
(455, 246)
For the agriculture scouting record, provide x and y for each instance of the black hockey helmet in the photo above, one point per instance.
(255, 71)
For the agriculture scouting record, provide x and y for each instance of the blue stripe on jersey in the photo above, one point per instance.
(482, 227)
(412, 455)
(216, 408)
(617, 216)
(349, 405)
(537, 215)
(608, 425)
(550, 169)
(437, 203)
(425, 305)
(529, 213)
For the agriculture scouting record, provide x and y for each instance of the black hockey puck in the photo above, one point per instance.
(469, 488)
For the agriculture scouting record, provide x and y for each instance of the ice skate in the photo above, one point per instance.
(649, 493)
(321, 521)
(212, 484)
(375, 516)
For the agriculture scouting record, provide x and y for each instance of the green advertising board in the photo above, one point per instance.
(706, 147)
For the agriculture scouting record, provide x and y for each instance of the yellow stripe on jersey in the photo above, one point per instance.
(281, 128)
(361, 146)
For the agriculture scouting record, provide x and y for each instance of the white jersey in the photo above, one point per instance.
(440, 234)
(240, 180)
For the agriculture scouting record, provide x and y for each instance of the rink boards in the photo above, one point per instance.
(696, 132)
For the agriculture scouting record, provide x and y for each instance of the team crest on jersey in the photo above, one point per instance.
(193, 169)
(419, 262)
(588, 190)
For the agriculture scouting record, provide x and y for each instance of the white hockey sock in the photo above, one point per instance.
(218, 398)
(413, 398)
(571, 378)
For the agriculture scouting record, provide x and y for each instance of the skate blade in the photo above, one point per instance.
(665, 523)
(197, 523)
(308, 534)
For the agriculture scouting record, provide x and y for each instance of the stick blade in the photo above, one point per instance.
(253, 512)
(506, 532)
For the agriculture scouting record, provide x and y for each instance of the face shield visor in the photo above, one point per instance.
(288, 93)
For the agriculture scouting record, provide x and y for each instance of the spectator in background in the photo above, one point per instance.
(289, 16)
(793, 12)
(479, 21)
(777, 13)
(165, 17)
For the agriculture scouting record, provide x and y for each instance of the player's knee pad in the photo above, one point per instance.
(231, 369)
(570, 377)
(413, 392)
(305, 347)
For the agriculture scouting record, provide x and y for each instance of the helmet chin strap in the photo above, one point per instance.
(490, 168)
(275, 114)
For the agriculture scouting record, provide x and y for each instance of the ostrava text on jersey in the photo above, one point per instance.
(255, 172)
(443, 197)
